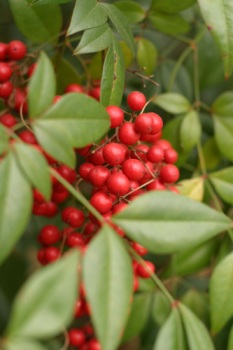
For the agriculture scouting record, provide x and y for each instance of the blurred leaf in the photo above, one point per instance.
(223, 183)
(193, 188)
(230, 341)
(190, 131)
(40, 309)
(197, 335)
(108, 286)
(197, 302)
(45, 2)
(138, 316)
(35, 21)
(169, 23)
(171, 6)
(221, 301)
(94, 39)
(146, 55)
(173, 103)
(120, 23)
(4, 138)
(160, 308)
(211, 154)
(42, 86)
(218, 18)
(223, 127)
(15, 204)
(132, 11)
(95, 66)
(223, 105)
(34, 167)
(177, 223)
(66, 74)
(86, 15)
(23, 344)
(171, 335)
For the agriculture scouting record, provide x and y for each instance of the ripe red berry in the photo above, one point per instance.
(98, 175)
(20, 101)
(133, 169)
(95, 92)
(76, 337)
(41, 256)
(169, 174)
(119, 207)
(51, 254)
(101, 201)
(135, 283)
(116, 116)
(3, 51)
(50, 209)
(156, 185)
(49, 235)
(96, 158)
(74, 88)
(145, 272)
(127, 134)
(155, 154)
(114, 153)
(38, 196)
(93, 344)
(139, 249)
(28, 137)
(67, 173)
(118, 184)
(60, 197)
(164, 144)
(16, 50)
(31, 70)
(136, 100)
(84, 170)
(157, 123)
(6, 89)
(140, 152)
(8, 120)
(170, 156)
(144, 123)
(5, 72)
(74, 217)
(75, 240)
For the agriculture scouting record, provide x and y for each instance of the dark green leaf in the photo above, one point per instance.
(169, 24)
(40, 310)
(4, 138)
(160, 308)
(138, 317)
(165, 222)
(113, 76)
(171, 6)
(120, 23)
(35, 21)
(42, 87)
(146, 55)
(86, 15)
(66, 74)
(108, 276)
(132, 11)
(211, 154)
(223, 183)
(171, 335)
(197, 302)
(221, 301)
(223, 105)
(15, 204)
(94, 40)
(230, 341)
(22, 344)
(190, 131)
(197, 335)
(223, 127)
(127, 53)
(46, 2)
(173, 103)
(34, 167)
(218, 18)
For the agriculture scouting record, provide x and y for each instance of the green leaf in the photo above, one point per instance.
(22, 344)
(138, 316)
(40, 309)
(35, 21)
(80, 117)
(120, 23)
(165, 222)
(221, 301)
(108, 286)
(113, 76)
(190, 131)
(127, 53)
(66, 74)
(223, 105)
(230, 340)
(46, 2)
(171, 6)
(171, 335)
(42, 87)
(4, 138)
(132, 11)
(34, 167)
(146, 55)
(169, 23)
(15, 204)
(197, 302)
(211, 154)
(223, 127)
(173, 103)
(197, 335)
(86, 15)
(223, 183)
(94, 40)
(193, 188)
(218, 18)
(160, 308)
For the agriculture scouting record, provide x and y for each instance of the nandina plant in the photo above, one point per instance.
(114, 127)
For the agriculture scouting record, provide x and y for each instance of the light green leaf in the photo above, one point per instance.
(40, 310)
(190, 131)
(230, 341)
(171, 6)
(35, 21)
(173, 103)
(120, 23)
(193, 188)
(223, 128)
(113, 76)
(160, 308)
(169, 23)
(221, 301)
(171, 335)
(165, 222)
(23, 344)
(223, 183)
(138, 316)
(127, 53)
(94, 40)
(146, 55)
(132, 11)
(218, 18)
(34, 167)
(223, 105)
(15, 204)
(86, 15)
(42, 87)
(4, 138)
(197, 335)
(108, 286)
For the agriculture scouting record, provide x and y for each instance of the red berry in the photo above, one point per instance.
(169, 173)
(118, 184)
(150, 138)
(49, 235)
(95, 92)
(3, 51)
(144, 123)
(38, 197)
(114, 153)
(101, 201)
(119, 207)
(51, 254)
(143, 272)
(93, 344)
(140, 152)
(136, 100)
(116, 116)
(133, 169)
(31, 69)
(164, 144)
(75, 240)
(5, 72)
(155, 154)
(84, 170)
(170, 156)
(157, 123)
(97, 157)
(127, 134)
(76, 337)
(74, 88)
(16, 50)
(28, 137)
(83, 151)
(8, 120)
(139, 249)
(156, 185)
(135, 283)
(6, 89)
(60, 197)
(75, 218)
(98, 175)
(67, 173)
(41, 256)
(20, 101)
(50, 209)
